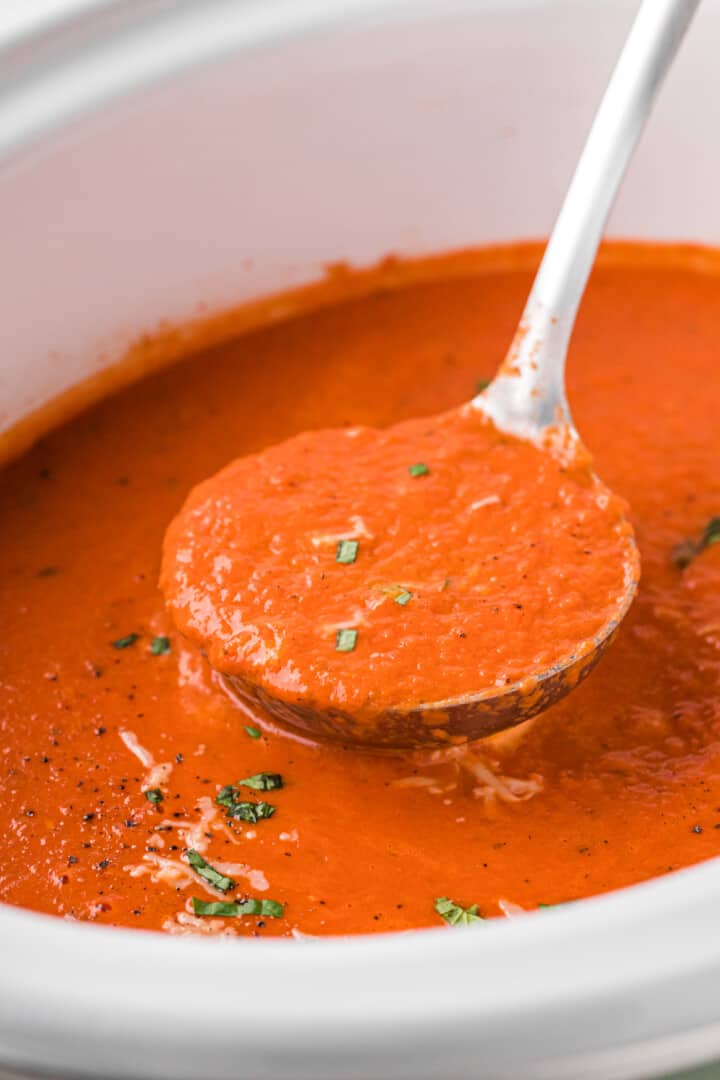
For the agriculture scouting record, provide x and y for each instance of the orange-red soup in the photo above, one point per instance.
(619, 782)
(366, 573)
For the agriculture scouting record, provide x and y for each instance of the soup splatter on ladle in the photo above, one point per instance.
(448, 577)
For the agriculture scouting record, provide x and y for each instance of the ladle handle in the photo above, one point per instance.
(528, 404)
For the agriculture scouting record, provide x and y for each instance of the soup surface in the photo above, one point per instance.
(132, 782)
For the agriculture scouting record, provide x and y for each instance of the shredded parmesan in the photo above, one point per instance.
(449, 769)
(358, 530)
(511, 910)
(356, 617)
(178, 875)
(298, 935)
(489, 500)
(157, 774)
(144, 756)
(186, 923)
(195, 834)
(414, 781)
(164, 871)
(507, 789)
(256, 878)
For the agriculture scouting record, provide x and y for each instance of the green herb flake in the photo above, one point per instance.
(271, 908)
(263, 781)
(236, 807)
(250, 811)
(418, 469)
(455, 915)
(223, 908)
(204, 870)
(347, 551)
(125, 642)
(226, 795)
(712, 532)
(345, 640)
(482, 384)
(154, 795)
(233, 909)
(160, 645)
(253, 732)
(403, 597)
(684, 552)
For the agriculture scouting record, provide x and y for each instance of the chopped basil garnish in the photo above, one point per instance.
(153, 795)
(262, 781)
(253, 732)
(250, 811)
(345, 640)
(215, 907)
(418, 469)
(226, 795)
(403, 597)
(267, 907)
(160, 645)
(125, 642)
(684, 552)
(455, 915)
(347, 551)
(482, 384)
(240, 809)
(231, 910)
(208, 872)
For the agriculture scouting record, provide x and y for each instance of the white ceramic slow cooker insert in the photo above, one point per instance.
(161, 157)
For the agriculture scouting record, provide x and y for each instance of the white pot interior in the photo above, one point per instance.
(412, 128)
(319, 134)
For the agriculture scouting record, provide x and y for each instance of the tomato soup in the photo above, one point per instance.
(343, 577)
(139, 792)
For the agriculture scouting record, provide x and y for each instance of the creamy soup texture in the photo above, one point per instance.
(138, 792)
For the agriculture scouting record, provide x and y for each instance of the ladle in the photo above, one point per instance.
(527, 396)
